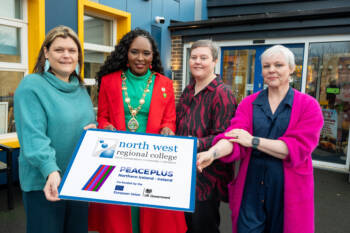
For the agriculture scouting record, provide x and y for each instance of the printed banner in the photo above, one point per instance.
(132, 169)
(330, 124)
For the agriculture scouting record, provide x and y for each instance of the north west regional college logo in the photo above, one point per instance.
(98, 178)
(105, 148)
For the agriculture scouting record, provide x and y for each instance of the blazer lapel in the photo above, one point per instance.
(156, 107)
(117, 102)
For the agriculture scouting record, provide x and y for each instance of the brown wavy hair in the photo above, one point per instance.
(60, 31)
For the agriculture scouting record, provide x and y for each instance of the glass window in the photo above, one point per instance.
(10, 41)
(9, 81)
(11, 9)
(92, 63)
(298, 72)
(241, 68)
(328, 80)
(98, 43)
(188, 71)
(97, 30)
(13, 59)
(238, 71)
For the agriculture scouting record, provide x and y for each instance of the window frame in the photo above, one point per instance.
(21, 66)
(97, 47)
(21, 24)
(121, 19)
(121, 24)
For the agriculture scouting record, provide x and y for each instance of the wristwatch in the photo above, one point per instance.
(255, 142)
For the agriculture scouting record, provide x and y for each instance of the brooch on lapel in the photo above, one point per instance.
(163, 91)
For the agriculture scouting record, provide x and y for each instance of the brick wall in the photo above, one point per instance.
(176, 64)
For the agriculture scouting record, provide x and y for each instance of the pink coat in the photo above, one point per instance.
(301, 137)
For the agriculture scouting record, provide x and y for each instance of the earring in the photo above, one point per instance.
(77, 69)
(150, 67)
(127, 65)
(47, 65)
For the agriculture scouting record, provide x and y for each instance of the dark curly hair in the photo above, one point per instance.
(119, 57)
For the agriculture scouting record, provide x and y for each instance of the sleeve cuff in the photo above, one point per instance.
(170, 126)
(48, 168)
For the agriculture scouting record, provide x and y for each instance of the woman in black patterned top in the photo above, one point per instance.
(204, 110)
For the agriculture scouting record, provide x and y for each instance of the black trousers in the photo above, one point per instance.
(206, 218)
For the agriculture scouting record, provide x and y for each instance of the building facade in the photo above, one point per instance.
(99, 24)
(318, 32)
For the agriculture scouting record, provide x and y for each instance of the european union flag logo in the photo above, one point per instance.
(119, 187)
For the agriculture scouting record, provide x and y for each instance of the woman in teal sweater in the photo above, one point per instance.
(52, 108)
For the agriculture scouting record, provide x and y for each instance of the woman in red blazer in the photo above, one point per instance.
(134, 96)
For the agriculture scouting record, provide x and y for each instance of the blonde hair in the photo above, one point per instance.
(60, 31)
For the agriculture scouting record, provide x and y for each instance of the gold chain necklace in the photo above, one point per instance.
(133, 124)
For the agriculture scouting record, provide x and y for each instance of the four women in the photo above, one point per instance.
(272, 134)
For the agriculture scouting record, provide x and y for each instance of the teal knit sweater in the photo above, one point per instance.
(50, 115)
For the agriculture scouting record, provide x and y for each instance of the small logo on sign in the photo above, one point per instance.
(147, 192)
(119, 187)
(105, 148)
(98, 178)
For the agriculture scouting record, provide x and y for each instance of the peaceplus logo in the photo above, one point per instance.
(98, 178)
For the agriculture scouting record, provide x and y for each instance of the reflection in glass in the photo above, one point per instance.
(97, 30)
(11, 9)
(9, 81)
(10, 49)
(238, 71)
(298, 72)
(328, 80)
(92, 63)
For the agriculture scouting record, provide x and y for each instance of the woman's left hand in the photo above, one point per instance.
(166, 131)
(240, 136)
(90, 126)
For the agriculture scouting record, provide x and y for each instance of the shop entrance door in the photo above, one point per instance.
(241, 68)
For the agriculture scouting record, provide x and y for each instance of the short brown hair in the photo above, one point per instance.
(207, 44)
(60, 31)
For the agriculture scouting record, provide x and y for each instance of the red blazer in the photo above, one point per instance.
(117, 218)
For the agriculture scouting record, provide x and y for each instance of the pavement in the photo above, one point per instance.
(332, 206)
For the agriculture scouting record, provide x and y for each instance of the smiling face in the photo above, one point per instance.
(63, 57)
(202, 63)
(140, 55)
(276, 70)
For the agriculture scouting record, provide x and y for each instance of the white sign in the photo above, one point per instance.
(133, 169)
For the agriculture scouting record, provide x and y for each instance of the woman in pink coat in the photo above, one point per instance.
(273, 135)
